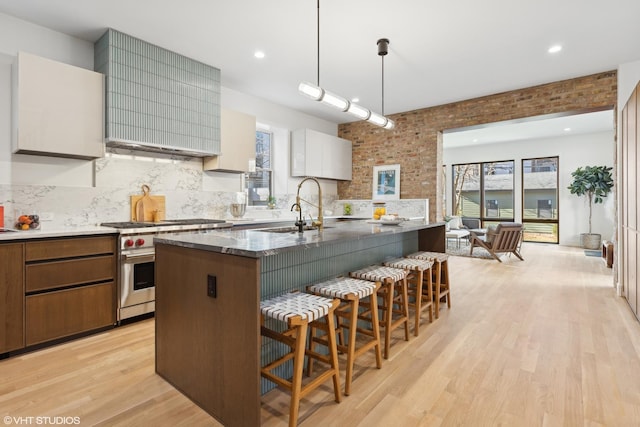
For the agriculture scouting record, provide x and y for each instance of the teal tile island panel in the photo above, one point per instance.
(158, 98)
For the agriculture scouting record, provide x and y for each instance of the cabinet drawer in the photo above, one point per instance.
(70, 311)
(56, 274)
(68, 248)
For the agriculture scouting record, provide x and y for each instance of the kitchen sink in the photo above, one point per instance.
(290, 229)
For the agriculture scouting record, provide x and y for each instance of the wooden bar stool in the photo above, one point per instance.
(419, 286)
(351, 291)
(299, 310)
(441, 276)
(393, 292)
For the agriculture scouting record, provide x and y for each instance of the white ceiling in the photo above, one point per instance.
(439, 52)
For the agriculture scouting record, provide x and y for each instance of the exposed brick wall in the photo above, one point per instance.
(416, 141)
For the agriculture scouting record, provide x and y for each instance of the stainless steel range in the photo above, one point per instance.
(136, 254)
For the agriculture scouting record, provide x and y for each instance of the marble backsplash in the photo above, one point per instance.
(189, 192)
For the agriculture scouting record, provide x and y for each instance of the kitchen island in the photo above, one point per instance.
(208, 292)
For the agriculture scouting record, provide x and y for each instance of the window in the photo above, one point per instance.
(497, 185)
(540, 199)
(259, 183)
(466, 190)
(487, 196)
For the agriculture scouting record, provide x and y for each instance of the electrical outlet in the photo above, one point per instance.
(212, 288)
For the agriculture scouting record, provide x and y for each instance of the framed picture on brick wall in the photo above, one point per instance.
(386, 182)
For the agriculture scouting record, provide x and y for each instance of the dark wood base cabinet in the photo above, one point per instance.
(56, 288)
(11, 297)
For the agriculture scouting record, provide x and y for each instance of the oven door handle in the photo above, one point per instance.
(138, 258)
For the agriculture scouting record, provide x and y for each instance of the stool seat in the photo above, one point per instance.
(409, 263)
(393, 293)
(296, 304)
(419, 287)
(350, 317)
(380, 273)
(344, 288)
(435, 256)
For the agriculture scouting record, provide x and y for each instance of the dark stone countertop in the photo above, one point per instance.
(257, 243)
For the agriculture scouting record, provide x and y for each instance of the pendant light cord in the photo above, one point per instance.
(318, 41)
(383, 49)
(383, 85)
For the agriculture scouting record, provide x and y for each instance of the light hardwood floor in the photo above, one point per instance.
(544, 342)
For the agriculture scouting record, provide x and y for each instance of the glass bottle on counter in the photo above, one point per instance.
(379, 209)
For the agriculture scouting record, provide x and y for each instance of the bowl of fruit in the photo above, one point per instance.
(28, 222)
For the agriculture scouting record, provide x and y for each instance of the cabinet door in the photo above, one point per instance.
(59, 109)
(315, 145)
(11, 297)
(298, 152)
(343, 159)
(320, 155)
(237, 143)
(59, 314)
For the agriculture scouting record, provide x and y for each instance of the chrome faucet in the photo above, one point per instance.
(319, 222)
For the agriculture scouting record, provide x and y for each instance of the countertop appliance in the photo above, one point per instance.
(136, 258)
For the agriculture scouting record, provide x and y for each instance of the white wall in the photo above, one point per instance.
(573, 151)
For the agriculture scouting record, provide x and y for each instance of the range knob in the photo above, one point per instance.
(139, 242)
(128, 243)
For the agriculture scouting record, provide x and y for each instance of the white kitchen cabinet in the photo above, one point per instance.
(58, 109)
(321, 155)
(237, 143)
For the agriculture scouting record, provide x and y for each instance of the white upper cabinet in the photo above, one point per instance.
(58, 109)
(320, 155)
(237, 143)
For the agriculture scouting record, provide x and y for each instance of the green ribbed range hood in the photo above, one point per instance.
(158, 100)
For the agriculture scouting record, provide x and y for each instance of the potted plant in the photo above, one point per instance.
(271, 202)
(595, 182)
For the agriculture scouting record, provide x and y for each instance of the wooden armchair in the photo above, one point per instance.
(505, 239)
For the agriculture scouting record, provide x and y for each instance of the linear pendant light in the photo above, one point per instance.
(315, 92)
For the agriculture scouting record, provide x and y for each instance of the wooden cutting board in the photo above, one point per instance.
(147, 208)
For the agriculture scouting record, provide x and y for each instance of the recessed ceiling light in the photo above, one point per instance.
(356, 99)
(567, 129)
(259, 54)
(475, 139)
(555, 49)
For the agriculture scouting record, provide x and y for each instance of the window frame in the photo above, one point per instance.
(246, 177)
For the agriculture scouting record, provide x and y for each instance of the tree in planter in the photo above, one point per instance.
(595, 182)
